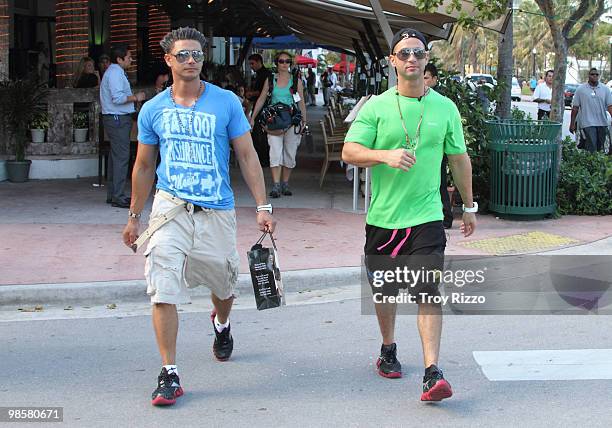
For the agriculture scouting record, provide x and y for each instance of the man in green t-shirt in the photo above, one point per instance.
(402, 135)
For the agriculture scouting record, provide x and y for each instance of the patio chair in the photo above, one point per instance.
(334, 129)
(333, 151)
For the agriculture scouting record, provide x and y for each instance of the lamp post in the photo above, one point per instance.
(610, 60)
(534, 52)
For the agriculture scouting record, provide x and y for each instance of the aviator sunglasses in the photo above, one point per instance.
(284, 61)
(183, 56)
(404, 54)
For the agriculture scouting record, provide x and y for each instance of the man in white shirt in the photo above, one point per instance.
(334, 79)
(542, 95)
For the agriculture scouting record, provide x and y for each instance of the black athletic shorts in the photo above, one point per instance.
(405, 252)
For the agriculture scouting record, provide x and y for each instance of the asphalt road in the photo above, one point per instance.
(310, 364)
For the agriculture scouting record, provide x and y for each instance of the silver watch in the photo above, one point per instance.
(134, 215)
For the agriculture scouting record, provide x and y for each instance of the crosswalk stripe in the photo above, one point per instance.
(562, 364)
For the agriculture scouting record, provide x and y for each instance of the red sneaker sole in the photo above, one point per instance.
(438, 392)
(394, 375)
(161, 401)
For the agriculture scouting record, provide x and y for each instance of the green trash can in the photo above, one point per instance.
(524, 164)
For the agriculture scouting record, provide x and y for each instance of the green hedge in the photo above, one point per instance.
(585, 182)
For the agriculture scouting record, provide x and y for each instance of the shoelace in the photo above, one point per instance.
(435, 376)
(166, 380)
(389, 357)
(224, 336)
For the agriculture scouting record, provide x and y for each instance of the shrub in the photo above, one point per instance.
(518, 114)
(40, 121)
(80, 120)
(585, 182)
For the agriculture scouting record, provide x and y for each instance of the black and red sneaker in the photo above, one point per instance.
(387, 364)
(168, 389)
(224, 343)
(435, 387)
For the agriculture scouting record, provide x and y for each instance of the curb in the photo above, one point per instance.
(116, 291)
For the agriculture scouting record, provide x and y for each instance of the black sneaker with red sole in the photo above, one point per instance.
(168, 389)
(387, 364)
(224, 342)
(435, 387)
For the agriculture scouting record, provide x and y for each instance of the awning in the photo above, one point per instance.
(321, 22)
(341, 67)
(304, 60)
(339, 22)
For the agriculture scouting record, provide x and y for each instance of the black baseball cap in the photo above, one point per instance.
(407, 33)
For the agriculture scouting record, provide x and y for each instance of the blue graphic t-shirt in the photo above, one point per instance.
(195, 155)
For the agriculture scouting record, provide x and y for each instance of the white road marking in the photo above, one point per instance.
(562, 364)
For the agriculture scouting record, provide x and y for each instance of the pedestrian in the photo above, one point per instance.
(117, 102)
(326, 84)
(333, 78)
(103, 63)
(533, 83)
(162, 79)
(405, 215)
(260, 139)
(311, 82)
(284, 88)
(431, 81)
(191, 125)
(86, 76)
(589, 106)
(543, 95)
(43, 64)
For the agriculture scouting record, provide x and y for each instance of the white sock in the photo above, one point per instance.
(220, 326)
(171, 368)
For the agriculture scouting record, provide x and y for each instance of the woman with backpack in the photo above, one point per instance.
(285, 116)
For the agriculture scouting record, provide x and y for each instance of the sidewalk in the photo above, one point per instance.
(62, 231)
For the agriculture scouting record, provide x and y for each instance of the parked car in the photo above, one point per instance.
(568, 93)
(516, 90)
(477, 77)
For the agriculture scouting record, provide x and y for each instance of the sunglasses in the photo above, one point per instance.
(284, 61)
(594, 74)
(404, 54)
(183, 56)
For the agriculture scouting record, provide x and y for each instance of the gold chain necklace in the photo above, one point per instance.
(415, 142)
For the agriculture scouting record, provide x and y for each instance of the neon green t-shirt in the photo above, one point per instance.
(402, 199)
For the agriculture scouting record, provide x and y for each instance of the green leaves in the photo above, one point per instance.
(22, 101)
(585, 182)
(473, 118)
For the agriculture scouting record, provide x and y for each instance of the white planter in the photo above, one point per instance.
(38, 135)
(80, 135)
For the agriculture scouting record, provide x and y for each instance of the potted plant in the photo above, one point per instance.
(81, 126)
(38, 126)
(22, 100)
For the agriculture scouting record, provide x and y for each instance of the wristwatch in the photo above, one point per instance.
(134, 215)
(267, 207)
(474, 209)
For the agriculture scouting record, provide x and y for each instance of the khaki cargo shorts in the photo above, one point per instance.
(193, 249)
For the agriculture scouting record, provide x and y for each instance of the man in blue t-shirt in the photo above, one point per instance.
(193, 224)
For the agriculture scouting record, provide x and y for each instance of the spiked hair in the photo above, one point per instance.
(181, 33)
